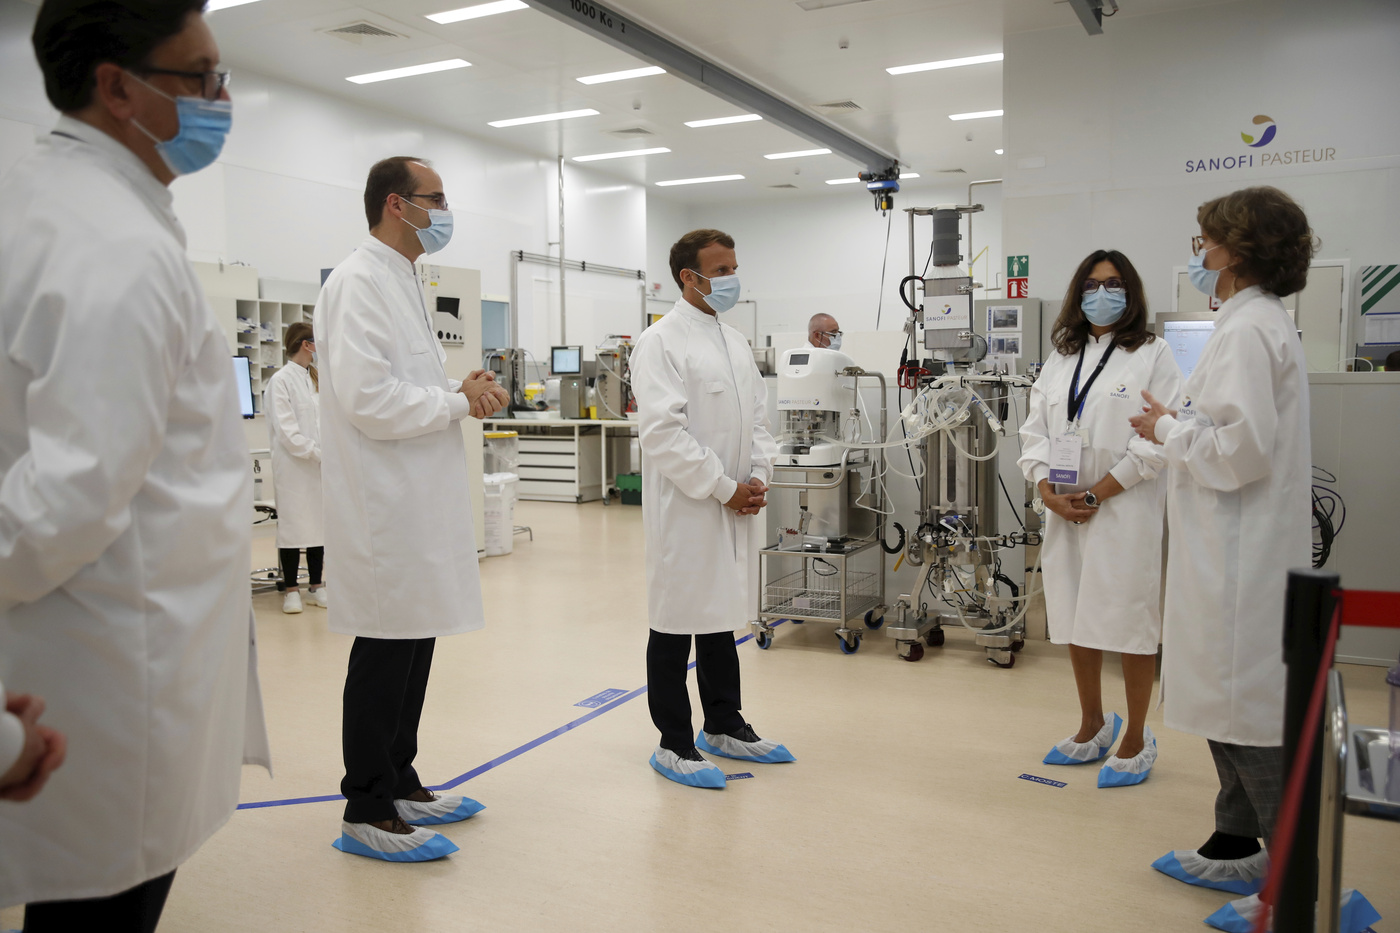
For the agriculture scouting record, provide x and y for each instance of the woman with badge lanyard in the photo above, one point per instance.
(1103, 532)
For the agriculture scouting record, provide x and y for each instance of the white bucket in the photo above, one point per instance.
(500, 512)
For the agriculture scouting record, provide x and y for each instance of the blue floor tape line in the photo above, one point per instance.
(494, 762)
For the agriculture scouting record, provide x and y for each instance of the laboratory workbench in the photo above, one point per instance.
(564, 460)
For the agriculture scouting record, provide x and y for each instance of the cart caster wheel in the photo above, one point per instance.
(796, 621)
(935, 638)
(1008, 663)
(1018, 645)
(873, 622)
(764, 640)
(848, 647)
(914, 652)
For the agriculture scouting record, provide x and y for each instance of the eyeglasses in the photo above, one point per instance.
(1115, 286)
(438, 201)
(1198, 243)
(213, 83)
(832, 333)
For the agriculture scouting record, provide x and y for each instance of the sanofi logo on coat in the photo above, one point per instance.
(1186, 409)
(1121, 391)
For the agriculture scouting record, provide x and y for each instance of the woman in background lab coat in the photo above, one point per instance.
(1103, 527)
(294, 423)
(1239, 512)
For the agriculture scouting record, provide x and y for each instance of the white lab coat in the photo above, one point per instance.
(1103, 579)
(124, 525)
(294, 426)
(399, 538)
(1240, 516)
(703, 429)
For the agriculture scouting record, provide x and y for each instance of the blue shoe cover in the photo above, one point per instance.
(1357, 914)
(690, 773)
(447, 808)
(726, 746)
(1243, 876)
(421, 845)
(1125, 772)
(1070, 752)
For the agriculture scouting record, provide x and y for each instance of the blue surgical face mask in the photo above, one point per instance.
(1204, 279)
(204, 125)
(1103, 307)
(724, 291)
(438, 232)
(834, 341)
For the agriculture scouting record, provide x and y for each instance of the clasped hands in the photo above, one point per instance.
(481, 390)
(749, 498)
(43, 752)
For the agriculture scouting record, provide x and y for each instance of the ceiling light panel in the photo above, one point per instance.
(798, 154)
(214, 6)
(621, 75)
(698, 181)
(853, 180)
(946, 63)
(975, 115)
(478, 11)
(545, 117)
(998, 151)
(408, 72)
(721, 121)
(620, 155)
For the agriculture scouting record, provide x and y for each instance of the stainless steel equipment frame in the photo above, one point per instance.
(853, 599)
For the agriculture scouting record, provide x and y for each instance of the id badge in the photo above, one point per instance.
(1065, 451)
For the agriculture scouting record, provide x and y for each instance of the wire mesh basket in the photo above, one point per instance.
(807, 593)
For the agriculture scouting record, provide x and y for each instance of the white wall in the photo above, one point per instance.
(1112, 122)
(286, 194)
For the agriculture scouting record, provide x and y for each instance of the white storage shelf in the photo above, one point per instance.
(260, 335)
(564, 467)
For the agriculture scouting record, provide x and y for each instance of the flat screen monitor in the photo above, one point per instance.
(1187, 339)
(566, 361)
(243, 377)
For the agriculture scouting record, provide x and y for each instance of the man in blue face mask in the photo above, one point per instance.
(124, 599)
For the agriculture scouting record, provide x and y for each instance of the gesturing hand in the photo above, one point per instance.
(1145, 424)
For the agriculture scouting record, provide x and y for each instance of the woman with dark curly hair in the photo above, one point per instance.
(1239, 467)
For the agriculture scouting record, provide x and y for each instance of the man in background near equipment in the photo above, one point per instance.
(397, 507)
(294, 423)
(824, 332)
(707, 457)
(124, 522)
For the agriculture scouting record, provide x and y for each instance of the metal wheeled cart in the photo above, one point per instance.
(841, 583)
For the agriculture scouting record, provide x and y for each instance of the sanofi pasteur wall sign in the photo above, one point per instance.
(1258, 151)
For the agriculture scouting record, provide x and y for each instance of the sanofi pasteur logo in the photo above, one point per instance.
(1266, 137)
(1264, 131)
(1121, 391)
(946, 310)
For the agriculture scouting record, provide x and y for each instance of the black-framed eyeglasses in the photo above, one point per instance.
(212, 85)
(1114, 285)
(1197, 244)
(438, 201)
(832, 333)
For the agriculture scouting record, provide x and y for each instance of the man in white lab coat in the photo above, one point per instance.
(124, 479)
(397, 507)
(707, 457)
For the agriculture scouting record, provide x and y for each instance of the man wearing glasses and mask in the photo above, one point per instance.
(121, 446)
(824, 332)
(397, 507)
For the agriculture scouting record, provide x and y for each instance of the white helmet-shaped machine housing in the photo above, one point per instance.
(810, 379)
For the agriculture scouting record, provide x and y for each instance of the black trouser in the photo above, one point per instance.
(290, 559)
(384, 690)
(716, 671)
(136, 910)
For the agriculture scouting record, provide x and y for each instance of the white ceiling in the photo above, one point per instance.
(526, 62)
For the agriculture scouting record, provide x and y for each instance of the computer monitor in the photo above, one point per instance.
(566, 361)
(1186, 338)
(243, 377)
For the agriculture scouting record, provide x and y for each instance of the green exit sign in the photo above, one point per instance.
(1018, 267)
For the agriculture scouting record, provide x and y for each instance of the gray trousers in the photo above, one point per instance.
(1251, 788)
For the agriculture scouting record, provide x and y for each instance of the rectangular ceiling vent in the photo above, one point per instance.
(631, 132)
(952, 171)
(839, 106)
(363, 32)
(782, 186)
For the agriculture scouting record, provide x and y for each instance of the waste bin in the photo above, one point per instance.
(500, 512)
(501, 453)
(630, 486)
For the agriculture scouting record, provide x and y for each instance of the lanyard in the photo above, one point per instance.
(1077, 398)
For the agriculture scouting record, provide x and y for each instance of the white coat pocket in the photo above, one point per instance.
(714, 388)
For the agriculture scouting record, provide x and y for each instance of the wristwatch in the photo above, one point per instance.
(1091, 500)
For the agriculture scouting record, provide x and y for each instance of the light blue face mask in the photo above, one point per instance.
(204, 126)
(1204, 279)
(724, 292)
(438, 232)
(1102, 307)
(833, 341)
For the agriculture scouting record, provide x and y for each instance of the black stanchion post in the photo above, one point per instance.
(1307, 613)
